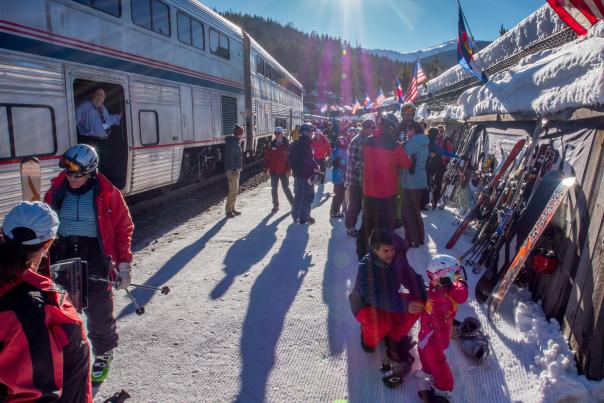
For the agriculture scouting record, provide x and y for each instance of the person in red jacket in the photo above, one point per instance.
(321, 151)
(44, 355)
(95, 226)
(275, 163)
(383, 157)
(445, 292)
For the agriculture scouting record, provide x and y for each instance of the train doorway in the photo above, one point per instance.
(91, 122)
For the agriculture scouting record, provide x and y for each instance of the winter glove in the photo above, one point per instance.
(445, 281)
(123, 276)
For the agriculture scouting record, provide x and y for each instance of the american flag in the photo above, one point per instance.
(580, 15)
(418, 77)
(380, 98)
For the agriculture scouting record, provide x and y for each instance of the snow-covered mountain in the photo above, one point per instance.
(445, 52)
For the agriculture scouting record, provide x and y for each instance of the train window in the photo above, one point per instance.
(111, 7)
(190, 31)
(4, 134)
(148, 125)
(28, 120)
(152, 14)
(220, 44)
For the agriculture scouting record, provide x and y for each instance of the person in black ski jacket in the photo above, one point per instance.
(303, 167)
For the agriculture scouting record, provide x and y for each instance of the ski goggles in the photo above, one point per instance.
(71, 167)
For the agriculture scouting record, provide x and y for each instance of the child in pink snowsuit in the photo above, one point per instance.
(445, 292)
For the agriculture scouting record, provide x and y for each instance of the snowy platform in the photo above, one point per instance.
(259, 312)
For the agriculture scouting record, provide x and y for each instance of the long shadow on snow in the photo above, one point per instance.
(171, 268)
(270, 298)
(246, 252)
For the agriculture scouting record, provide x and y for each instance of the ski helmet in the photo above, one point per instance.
(444, 266)
(80, 160)
(31, 223)
(408, 107)
(390, 121)
(306, 127)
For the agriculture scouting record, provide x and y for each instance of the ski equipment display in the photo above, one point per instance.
(524, 252)
(30, 179)
(483, 194)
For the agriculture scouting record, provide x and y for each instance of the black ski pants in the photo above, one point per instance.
(377, 213)
(338, 198)
(102, 330)
(435, 183)
(412, 215)
(355, 203)
(275, 179)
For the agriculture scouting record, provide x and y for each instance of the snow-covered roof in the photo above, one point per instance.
(541, 24)
(550, 81)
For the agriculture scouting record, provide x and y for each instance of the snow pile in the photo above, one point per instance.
(422, 112)
(449, 112)
(546, 82)
(541, 24)
(558, 377)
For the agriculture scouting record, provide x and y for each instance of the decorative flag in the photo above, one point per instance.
(367, 103)
(334, 108)
(580, 15)
(324, 108)
(399, 92)
(355, 106)
(380, 98)
(466, 49)
(418, 77)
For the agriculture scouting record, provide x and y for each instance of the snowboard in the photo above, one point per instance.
(519, 226)
(31, 177)
(483, 194)
(525, 250)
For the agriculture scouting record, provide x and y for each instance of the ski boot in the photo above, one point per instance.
(473, 341)
(398, 361)
(434, 395)
(100, 367)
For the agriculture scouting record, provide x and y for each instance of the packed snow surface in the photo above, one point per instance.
(259, 312)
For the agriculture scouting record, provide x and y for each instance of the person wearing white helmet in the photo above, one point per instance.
(95, 226)
(446, 290)
(44, 354)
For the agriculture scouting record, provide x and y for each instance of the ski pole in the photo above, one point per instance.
(139, 309)
(165, 290)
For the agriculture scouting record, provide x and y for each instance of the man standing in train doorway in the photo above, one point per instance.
(94, 123)
(233, 159)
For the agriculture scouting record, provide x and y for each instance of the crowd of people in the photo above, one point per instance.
(384, 171)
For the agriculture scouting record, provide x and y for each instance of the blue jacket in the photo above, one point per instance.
(232, 153)
(416, 146)
(300, 158)
(379, 285)
(339, 159)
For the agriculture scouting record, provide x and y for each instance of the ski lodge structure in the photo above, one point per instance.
(542, 76)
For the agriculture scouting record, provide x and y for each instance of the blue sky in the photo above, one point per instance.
(403, 25)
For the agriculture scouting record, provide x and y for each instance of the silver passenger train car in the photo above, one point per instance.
(180, 74)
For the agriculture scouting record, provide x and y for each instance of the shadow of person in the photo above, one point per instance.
(246, 252)
(270, 299)
(169, 269)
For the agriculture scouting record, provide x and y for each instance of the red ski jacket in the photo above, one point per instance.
(44, 354)
(383, 156)
(320, 147)
(113, 217)
(441, 309)
(275, 157)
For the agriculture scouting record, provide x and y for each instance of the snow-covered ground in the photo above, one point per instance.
(259, 312)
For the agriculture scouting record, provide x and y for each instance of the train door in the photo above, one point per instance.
(90, 122)
(186, 110)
